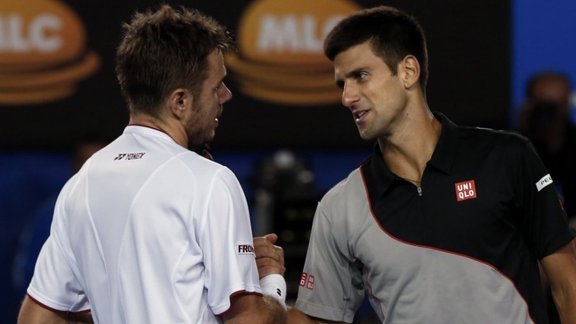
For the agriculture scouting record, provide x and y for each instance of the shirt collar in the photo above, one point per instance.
(144, 129)
(442, 158)
(445, 151)
(204, 150)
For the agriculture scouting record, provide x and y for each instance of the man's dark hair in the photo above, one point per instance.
(392, 33)
(164, 50)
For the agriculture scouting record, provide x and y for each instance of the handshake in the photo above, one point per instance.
(270, 264)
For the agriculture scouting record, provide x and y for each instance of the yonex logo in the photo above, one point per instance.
(129, 156)
(465, 190)
(245, 249)
(544, 182)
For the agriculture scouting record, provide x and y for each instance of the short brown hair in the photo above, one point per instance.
(164, 50)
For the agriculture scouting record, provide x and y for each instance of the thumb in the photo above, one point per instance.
(272, 237)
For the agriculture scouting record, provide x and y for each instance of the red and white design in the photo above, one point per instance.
(465, 190)
(310, 284)
(303, 279)
(307, 280)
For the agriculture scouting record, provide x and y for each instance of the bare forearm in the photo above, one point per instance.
(32, 313)
(276, 311)
(566, 304)
(254, 309)
(84, 317)
(560, 268)
(297, 317)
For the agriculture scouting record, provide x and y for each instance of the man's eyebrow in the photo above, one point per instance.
(351, 74)
(355, 72)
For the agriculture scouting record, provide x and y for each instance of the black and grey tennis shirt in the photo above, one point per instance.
(462, 248)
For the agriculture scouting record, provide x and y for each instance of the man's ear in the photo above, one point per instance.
(179, 101)
(409, 71)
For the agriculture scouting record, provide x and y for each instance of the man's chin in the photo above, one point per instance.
(365, 136)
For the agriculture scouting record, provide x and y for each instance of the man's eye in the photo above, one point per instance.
(361, 75)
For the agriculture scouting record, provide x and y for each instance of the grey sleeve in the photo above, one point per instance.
(329, 285)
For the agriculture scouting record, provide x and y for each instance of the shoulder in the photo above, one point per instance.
(206, 170)
(347, 189)
(487, 134)
(478, 138)
(200, 164)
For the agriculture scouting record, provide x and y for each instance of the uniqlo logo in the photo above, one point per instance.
(465, 190)
(307, 281)
(303, 279)
(310, 284)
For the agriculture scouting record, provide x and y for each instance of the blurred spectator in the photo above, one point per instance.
(545, 119)
(547, 86)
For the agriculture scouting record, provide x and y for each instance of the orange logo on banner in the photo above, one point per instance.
(281, 56)
(42, 52)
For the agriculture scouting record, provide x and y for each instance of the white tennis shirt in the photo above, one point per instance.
(147, 232)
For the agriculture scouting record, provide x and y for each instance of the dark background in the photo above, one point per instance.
(469, 81)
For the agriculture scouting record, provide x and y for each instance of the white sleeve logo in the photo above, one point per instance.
(545, 181)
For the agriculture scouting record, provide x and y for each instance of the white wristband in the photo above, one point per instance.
(274, 286)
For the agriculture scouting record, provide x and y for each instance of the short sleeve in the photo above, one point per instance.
(227, 243)
(543, 217)
(54, 283)
(327, 288)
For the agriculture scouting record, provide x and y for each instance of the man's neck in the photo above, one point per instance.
(171, 129)
(407, 152)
